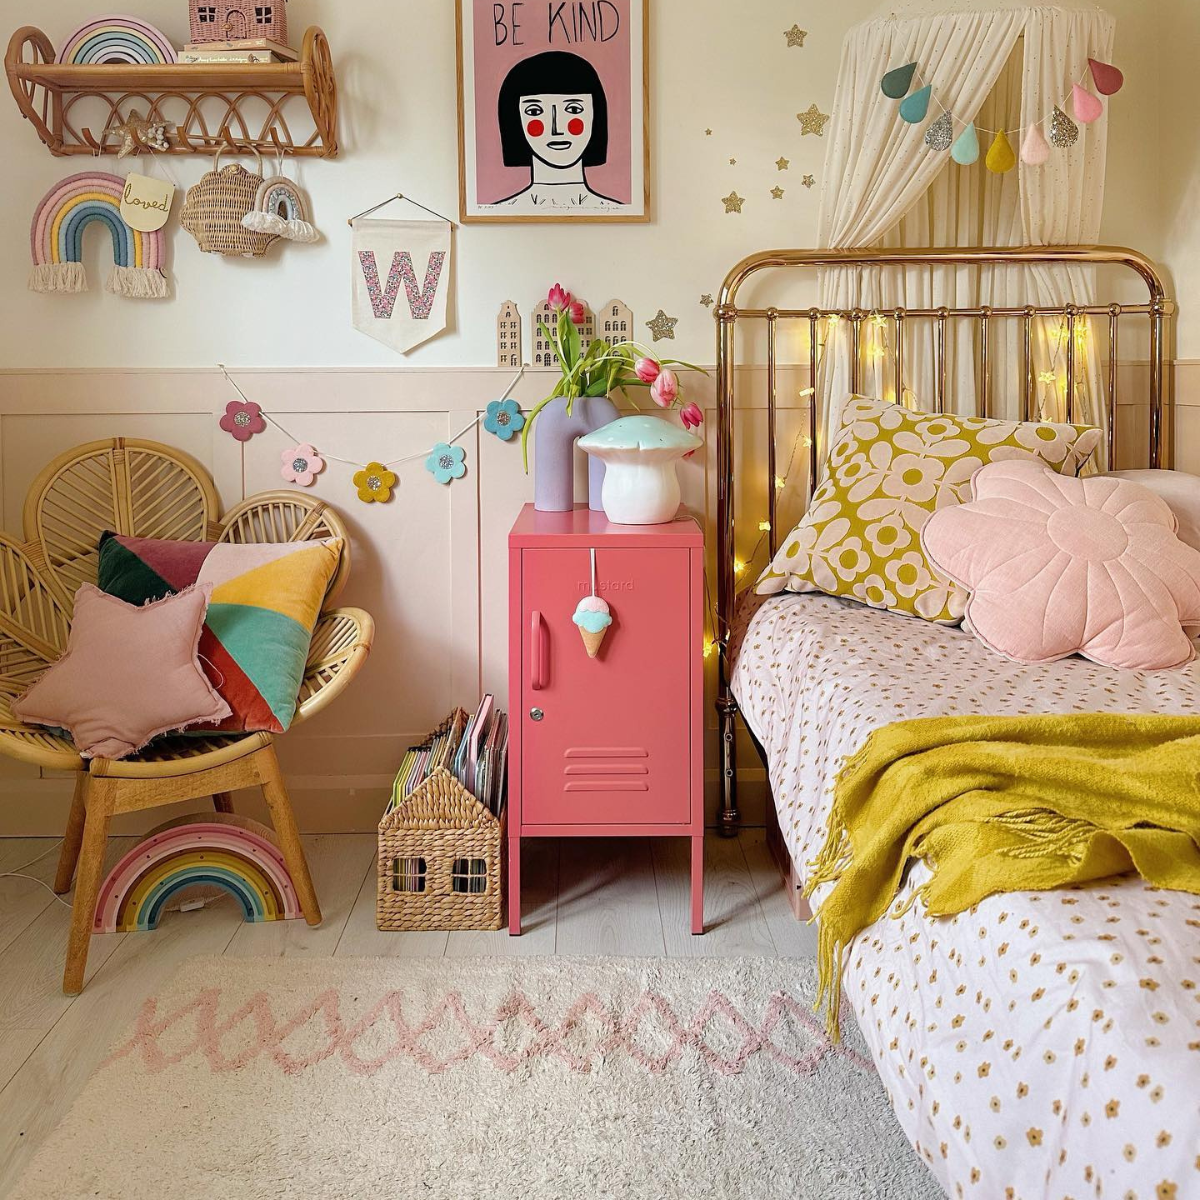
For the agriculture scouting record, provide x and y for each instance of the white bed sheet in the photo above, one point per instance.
(1042, 1045)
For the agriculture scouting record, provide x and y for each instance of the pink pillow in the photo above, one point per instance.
(1059, 566)
(129, 674)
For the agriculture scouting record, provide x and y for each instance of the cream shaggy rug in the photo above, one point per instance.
(510, 1079)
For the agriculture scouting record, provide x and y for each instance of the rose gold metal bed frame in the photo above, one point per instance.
(1157, 310)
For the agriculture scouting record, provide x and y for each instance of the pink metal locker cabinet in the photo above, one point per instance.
(610, 746)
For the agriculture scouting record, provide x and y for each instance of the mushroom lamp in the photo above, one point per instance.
(639, 456)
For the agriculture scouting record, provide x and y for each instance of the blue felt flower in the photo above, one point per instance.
(504, 419)
(446, 463)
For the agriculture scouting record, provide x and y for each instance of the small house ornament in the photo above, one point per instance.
(615, 323)
(235, 20)
(508, 336)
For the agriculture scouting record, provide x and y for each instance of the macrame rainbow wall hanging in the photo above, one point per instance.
(281, 209)
(56, 240)
(220, 850)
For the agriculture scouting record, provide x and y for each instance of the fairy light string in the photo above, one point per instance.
(879, 351)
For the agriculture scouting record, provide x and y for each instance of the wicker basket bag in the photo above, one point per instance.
(439, 864)
(215, 206)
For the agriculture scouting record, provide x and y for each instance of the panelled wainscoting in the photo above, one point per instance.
(431, 565)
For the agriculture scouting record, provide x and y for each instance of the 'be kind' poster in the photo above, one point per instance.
(552, 118)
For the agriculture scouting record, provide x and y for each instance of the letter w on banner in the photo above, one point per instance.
(401, 276)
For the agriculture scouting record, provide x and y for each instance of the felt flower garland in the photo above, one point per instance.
(374, 482)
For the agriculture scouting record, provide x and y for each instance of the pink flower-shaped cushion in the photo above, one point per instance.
(1060, 566)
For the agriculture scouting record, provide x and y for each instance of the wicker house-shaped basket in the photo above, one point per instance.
(439, 861)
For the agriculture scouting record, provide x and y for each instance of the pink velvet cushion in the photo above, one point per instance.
(129, 674)
(1059, 566)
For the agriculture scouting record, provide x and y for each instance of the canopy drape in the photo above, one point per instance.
(885, 187)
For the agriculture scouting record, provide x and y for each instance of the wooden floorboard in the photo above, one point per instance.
(21, 900)
(734, 925)
(582, 896)
(607, 899)
(792, 938)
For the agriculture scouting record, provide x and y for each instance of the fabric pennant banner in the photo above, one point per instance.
(401, 275)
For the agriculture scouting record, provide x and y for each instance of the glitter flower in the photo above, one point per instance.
(375, 483)
(504, 418)
(243, 419)
(301, 465)
(446, 463)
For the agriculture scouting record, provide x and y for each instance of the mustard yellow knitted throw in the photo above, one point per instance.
(1004, 804)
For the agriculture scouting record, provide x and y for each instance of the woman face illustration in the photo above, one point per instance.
(558, 126)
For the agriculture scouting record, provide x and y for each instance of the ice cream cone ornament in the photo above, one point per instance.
(593, 617)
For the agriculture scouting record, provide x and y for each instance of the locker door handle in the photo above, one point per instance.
(537, 652)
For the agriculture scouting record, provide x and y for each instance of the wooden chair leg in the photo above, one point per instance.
(223, 802)
(72, 839)
(284, 820)
(87, 888)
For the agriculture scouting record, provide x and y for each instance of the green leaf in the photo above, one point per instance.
(572, 343)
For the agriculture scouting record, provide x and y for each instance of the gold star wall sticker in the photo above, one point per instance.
(808, 181)
(782, 164)
(733, 202)
(663, 326)
(708, 133)
(777, 193)
(733, 162)
(812, 120)
(795, 36)
(707, 300)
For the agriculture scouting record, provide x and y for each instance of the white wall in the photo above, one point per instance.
(719, 65)
(431, 565)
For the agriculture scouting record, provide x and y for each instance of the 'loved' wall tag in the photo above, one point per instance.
(146, 202)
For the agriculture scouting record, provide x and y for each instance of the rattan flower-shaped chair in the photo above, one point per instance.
(148, 490)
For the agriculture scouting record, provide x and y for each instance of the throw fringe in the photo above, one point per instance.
(1045, 832)
(58, 277)
(138, 283)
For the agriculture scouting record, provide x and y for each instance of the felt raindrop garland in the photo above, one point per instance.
(961, 138)
(374, 482)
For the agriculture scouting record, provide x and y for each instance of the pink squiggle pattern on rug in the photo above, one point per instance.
(261, 1033)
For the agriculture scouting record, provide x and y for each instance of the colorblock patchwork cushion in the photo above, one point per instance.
(1059, 566)
(888, 469)
(129, 674)
(266, 598)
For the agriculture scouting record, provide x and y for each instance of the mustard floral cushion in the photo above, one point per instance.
(889, 468)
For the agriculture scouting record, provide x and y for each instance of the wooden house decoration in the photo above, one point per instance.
(439, 860)
(235, 20)
(543, 350)
(615, 323)
(508, 336)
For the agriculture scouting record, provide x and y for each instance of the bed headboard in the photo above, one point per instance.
(944, 325)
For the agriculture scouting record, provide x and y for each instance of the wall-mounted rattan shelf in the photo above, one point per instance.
(209, 107)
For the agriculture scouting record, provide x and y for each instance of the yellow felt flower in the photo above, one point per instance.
(375, 483)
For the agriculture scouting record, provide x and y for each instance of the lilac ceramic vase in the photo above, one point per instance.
(554, 437)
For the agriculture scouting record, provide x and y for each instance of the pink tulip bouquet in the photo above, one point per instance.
(601, 369)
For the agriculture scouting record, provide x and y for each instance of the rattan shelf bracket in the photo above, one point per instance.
(203, 102)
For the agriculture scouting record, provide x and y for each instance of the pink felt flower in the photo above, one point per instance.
(575, 308)
(243, 419)
(646, 369)
(1058, 565)
(558, 299)
(301, 465)
(691, 416)
(665, 389)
